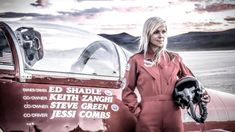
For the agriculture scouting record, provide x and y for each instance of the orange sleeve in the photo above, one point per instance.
(128, 95)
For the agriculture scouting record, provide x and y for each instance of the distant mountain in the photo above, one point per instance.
(224, 40)
(125, 40)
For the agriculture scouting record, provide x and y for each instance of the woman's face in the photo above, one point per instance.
(157, 39)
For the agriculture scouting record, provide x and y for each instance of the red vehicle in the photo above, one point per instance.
(56, 78)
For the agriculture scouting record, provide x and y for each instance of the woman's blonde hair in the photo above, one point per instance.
(150, 26)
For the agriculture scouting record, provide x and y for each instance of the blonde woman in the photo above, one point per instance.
(154, 72)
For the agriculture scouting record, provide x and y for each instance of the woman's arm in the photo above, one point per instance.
(128, 95)
(184, 70)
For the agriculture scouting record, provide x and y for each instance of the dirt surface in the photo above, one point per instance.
(215, 69)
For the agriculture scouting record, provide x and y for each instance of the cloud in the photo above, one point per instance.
(90, 12)
(17, 15)
(148, 8)
(201, 24)
(193, 0)
(62, 15)
(42, 3)
(229, 18)
(215, 7)
(124, 15)
(93, 0)
(129, 9)
(30, 16)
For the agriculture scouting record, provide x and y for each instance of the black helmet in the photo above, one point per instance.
(31, 42)
(188, 93)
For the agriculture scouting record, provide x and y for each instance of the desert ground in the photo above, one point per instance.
(215, 69)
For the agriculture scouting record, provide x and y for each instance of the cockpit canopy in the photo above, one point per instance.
(56, 48)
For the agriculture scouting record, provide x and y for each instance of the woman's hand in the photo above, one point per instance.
(205, 97)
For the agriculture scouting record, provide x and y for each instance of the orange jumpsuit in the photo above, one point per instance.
(156, 112)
